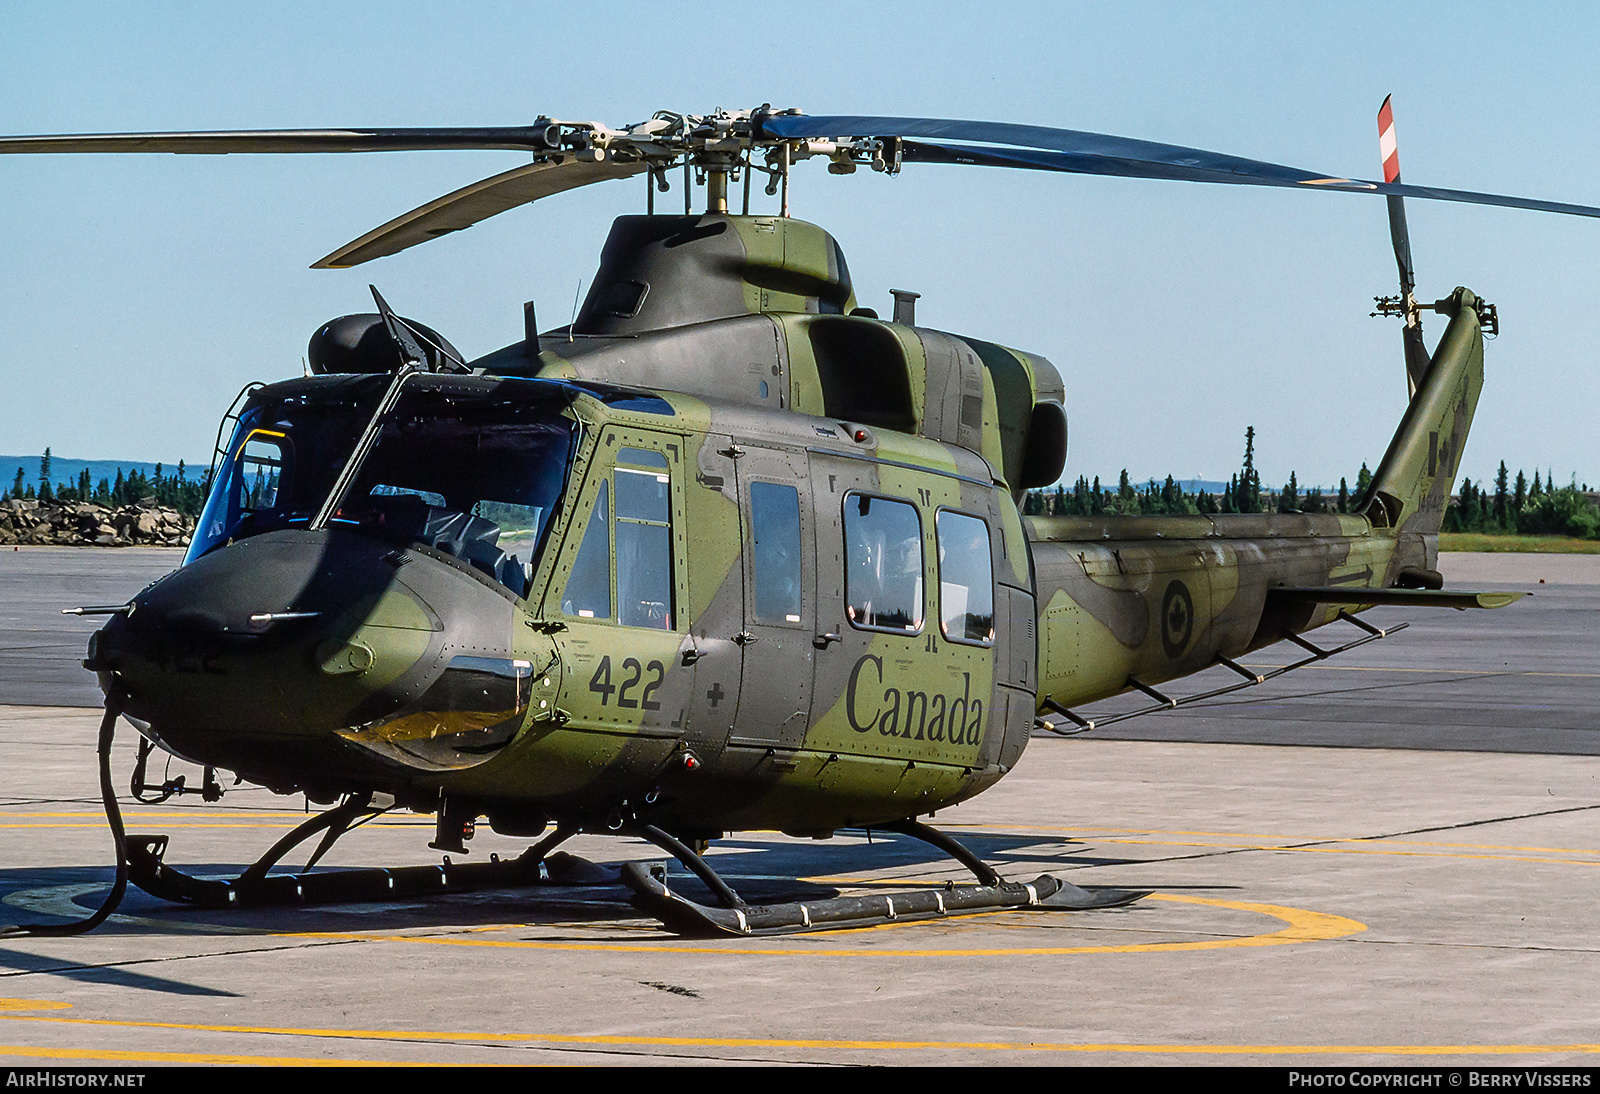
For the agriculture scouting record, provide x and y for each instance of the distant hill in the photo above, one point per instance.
(1190, 486)
(66, 470)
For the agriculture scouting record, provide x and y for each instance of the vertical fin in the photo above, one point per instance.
(1411, 486)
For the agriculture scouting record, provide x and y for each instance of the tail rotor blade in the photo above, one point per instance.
(1417, 356)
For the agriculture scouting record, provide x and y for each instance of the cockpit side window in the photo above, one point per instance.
(263, 464)
(589, 588)
(640, 571)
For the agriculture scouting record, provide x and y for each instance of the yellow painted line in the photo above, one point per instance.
(1289, 848)
(1435, 854)
(283, 827)
(1129, 831)
(139, 815)
(285, 818)
(1492, 846)
(32, 1004)
(144, 1057)
(746, 1042)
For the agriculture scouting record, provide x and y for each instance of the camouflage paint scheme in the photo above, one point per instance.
(745, 364)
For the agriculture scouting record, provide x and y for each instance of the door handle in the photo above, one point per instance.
(745, 638)
(821, 641)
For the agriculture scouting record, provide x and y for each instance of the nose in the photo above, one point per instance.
(275, 656)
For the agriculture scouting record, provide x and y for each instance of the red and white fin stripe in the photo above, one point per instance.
(1388, 147)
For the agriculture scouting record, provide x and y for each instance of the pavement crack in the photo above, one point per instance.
(1513, 948)
(1351, 839)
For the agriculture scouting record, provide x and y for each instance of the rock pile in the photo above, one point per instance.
(84, 524)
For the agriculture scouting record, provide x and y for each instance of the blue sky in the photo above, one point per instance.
(138, 294)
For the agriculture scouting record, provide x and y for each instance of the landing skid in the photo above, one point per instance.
(148, 872)
(256, 887)
(140, 860)
(738, 919)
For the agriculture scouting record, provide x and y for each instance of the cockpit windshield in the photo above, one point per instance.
(474, 472)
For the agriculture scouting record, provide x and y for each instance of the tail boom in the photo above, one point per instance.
(1149, 599)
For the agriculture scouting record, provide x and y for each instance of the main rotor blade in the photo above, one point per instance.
(470, 204)
(1001, 144)
(517, 138)
(1418, 359)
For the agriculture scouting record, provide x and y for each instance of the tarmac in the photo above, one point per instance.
(1388, 858)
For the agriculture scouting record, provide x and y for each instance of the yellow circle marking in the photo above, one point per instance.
(32, 1004)
(1302, 926)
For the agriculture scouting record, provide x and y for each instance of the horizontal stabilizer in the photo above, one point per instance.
(1415, 598)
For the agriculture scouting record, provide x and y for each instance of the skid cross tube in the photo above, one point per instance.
(1251, 679)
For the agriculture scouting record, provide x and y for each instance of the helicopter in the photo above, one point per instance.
(728, 552)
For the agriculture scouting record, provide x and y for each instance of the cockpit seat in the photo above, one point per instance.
(473, 540)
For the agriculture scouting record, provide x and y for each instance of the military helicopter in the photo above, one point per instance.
(727, 552)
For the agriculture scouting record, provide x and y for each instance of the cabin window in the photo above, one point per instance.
(966, 578)
(775, 534)
(883, 564)
(640, 524)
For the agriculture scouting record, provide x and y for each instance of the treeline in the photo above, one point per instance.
(1510, 508)
(1243, 494)
(173, 491)
(1536, 509)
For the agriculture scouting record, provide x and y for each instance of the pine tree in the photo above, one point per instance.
(1502, 498)
(1466, 508)
(19, 485)
(44, 472)
(1289, 500)
(1344, 495)
(1249, 500)
(1171, 497)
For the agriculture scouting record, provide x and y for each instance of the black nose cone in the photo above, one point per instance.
(258, 655)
